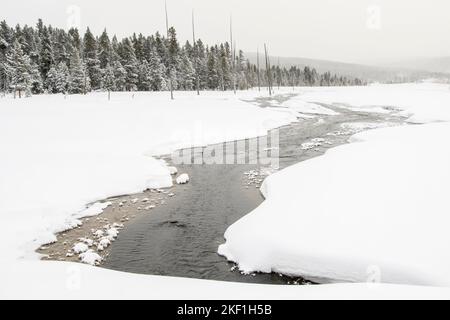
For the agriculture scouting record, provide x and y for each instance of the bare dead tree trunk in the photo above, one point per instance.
(233, 54)
(279, 74)
(170, 66)
(268, 70)
(195, 54)
(258, 72)
(293, 80)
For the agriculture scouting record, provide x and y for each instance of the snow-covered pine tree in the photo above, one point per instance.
(46, 57)
(138, 46)
(130, 65)
(120, 76)
(48, 47)
(158, 80)
(79, 81)
(19, 70)
(90, 58)
(218, 67)
(37, 85)
(109, 80)
(52, 78)
(161, 48)
(75, 39)
(173, 49)
(225, 66)
(62, 80)
(4, 45)
(187, 72)
(201, 65)
(60, 48)
(213, 74)
(145, 80)
(104, 50)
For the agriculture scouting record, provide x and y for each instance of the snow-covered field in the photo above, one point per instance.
(375, 210)
(59, 155)
(426, 102)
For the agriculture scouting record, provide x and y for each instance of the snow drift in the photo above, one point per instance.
(375, 210)
(378, 208)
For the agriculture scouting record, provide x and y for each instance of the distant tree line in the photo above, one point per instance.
(44, 59)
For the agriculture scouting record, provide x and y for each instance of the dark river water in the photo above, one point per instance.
(181, 238)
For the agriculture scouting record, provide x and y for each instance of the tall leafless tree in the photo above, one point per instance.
(258, 69)
(194, 48)
(269, 76)
(170, 66)
(233, 55)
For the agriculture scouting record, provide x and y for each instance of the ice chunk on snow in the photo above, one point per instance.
(80, 247)
(173, 171)
(183, 179)
(90, 257)
(94, 210)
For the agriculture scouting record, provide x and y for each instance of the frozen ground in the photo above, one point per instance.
(58, 155)
(373, 210)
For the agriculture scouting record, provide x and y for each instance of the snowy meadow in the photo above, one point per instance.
(371, 211)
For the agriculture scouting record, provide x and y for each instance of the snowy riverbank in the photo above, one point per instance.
(58, 155)
(374, 210)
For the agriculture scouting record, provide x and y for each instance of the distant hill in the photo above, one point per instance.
(368, 73)
(439, 64)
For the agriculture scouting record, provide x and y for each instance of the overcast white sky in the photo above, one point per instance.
(342, 30)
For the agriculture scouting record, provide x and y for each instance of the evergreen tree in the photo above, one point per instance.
(109, 80)
(52, 78)
(34, 59)
(173, 50)
(201, 65)
(157, 73)
(130, 65)
(46, 53)
(187, 72)
(37, 85)
(19, 70)
(75, 39)
(79, 81)
(145, 79)
(62, 80)
(213, 74)
(104, 50)
(90, 55)
(120, 76)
